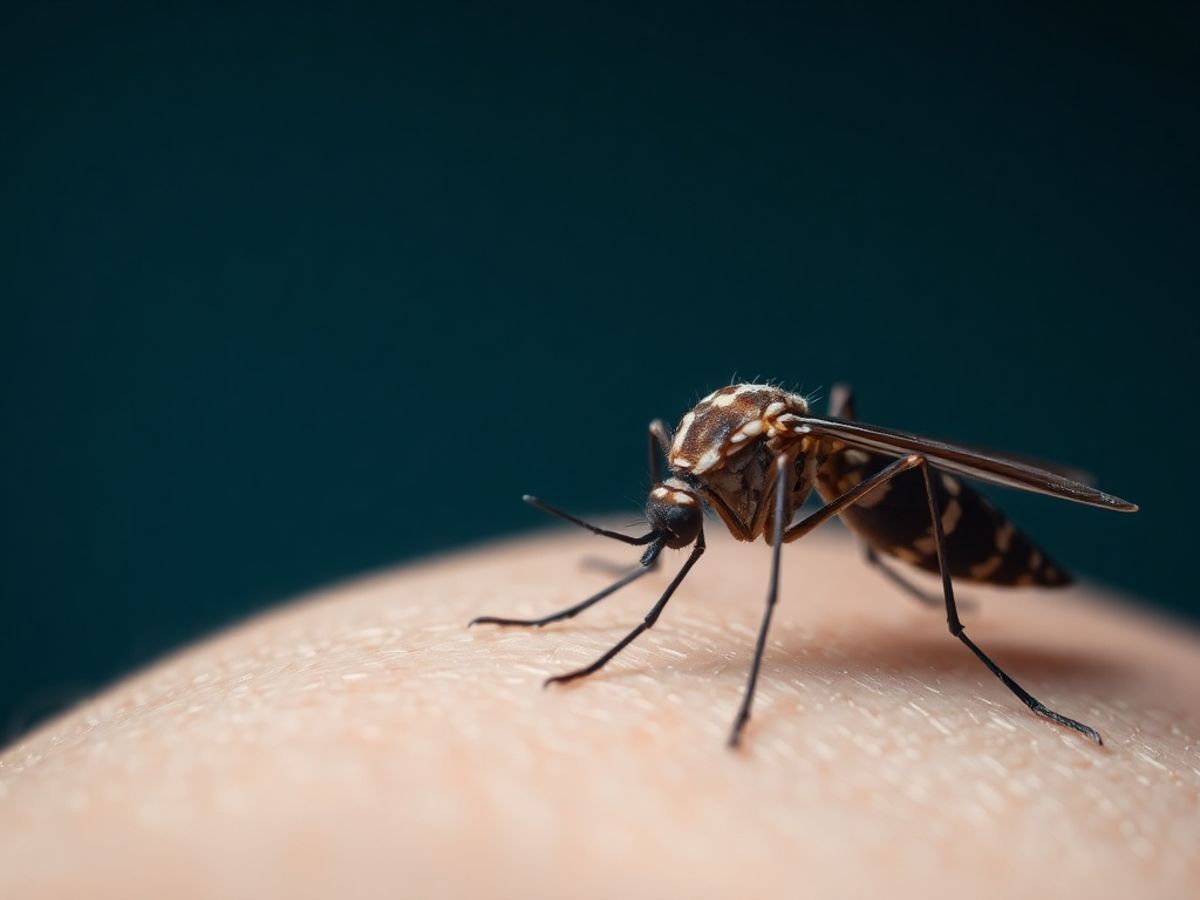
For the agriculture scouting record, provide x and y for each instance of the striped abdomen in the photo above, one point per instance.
(981, 543)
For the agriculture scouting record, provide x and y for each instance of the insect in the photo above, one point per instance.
(753, 453)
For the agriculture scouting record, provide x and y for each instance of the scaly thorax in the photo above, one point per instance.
(727, 447)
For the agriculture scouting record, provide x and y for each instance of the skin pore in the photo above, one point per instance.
(363, 742)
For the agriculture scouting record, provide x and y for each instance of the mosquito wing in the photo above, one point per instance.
(1071, 473)
(979, 464)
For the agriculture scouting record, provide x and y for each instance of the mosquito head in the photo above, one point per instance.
(674, 513)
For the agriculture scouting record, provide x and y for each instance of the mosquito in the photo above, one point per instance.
(753, 453)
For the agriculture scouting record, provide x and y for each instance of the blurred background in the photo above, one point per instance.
(293, 293)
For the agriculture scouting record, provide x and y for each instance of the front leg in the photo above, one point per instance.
(779, 537)
(782, 463)
(646, 624)
(649, 562)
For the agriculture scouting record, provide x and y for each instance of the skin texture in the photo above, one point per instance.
(364, 743)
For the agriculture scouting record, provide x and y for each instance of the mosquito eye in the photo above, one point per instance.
(674, 513)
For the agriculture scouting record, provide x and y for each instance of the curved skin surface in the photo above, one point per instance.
(365, 743)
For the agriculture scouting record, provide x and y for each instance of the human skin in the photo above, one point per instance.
(365, 743)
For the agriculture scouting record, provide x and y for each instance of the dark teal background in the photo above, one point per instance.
(290, 293)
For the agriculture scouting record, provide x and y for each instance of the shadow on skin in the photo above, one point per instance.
(891, 656)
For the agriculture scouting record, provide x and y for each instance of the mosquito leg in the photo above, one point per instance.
(647, 623)
(781, 485)
(843, 406)
(956, 627)
(649, 564)
(907, 586)
(899, 580)
(780, 536)
(659, 438)
(856, 493)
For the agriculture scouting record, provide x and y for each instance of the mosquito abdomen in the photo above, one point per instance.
(982, 544)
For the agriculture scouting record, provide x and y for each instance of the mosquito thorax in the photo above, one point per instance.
(674, 512)
(732, 419)
(728, 444)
